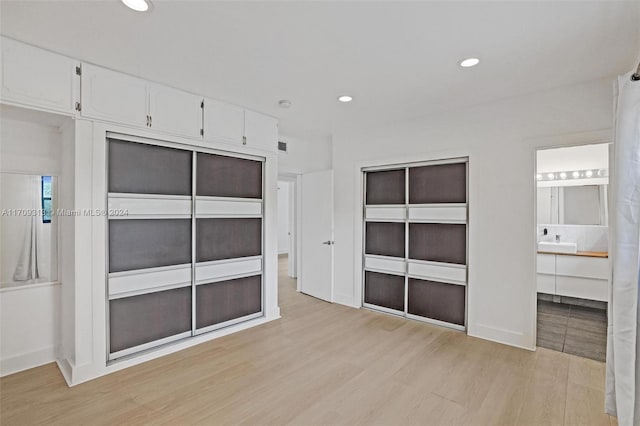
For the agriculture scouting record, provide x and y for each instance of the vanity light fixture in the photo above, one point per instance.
(345, 98)
(469, 62)
(572, 174)
(137, 5)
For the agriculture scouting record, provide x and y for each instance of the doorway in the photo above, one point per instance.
(572, 267)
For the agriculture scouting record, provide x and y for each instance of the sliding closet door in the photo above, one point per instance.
(385, 240)
(150, 246)
(415, 242)
(228, 235)
(437, 258)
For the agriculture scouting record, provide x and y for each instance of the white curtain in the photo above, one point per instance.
(623, 350)
(28, 267)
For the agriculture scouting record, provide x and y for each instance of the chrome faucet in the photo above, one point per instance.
(557, 238)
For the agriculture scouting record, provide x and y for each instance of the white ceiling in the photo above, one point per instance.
(398, 59)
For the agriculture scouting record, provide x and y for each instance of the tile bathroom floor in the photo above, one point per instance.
(576, 330)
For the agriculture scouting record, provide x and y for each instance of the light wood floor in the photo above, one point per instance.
(324, 364)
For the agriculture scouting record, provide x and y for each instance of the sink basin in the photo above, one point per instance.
(554, 247)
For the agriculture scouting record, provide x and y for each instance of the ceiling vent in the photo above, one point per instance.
(282, 146)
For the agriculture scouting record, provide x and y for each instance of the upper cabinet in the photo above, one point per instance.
(41, 79)
(37, 78)
(121, 98)
(229, 123)
(260, 131)
(113, 96)
(175, 111)
(223, 122)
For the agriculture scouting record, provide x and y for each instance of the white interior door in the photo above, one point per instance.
(316, 274)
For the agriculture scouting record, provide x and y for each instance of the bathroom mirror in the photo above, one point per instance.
(28, 229)
(573, 205)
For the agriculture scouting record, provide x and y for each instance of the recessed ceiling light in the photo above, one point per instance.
(284, 103)
(469, 62)
(345, 98)
(137, 5)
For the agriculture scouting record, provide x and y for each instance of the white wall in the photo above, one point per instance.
(500, 140)
(283, 217)
(304, 155)
(29, 315)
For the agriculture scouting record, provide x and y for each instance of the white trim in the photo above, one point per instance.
(402, 165)
(228, 323)
(210, 207)
(388, 265)
(435, 271)
(148, 290)
(137, 207)
(382, 309)
(136, 349)
(28, 360)
(386, 213)
(436, 322)
(17, 287)
(228, 269)
(438, 213)
(192, 144)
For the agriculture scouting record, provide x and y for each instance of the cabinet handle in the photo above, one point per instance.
(244, 140)
(150, 121)
(147, 121)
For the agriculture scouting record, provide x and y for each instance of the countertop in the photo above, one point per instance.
(602, 254)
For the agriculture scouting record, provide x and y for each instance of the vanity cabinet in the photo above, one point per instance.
(578, 276)
(120, 98)
(37, 77)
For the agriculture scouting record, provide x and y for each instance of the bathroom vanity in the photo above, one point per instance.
(584, 275)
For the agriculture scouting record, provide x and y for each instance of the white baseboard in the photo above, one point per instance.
(28, 360)
(345, 300)
(501, 335)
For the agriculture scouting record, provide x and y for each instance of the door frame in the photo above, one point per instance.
(293, 264)
(552, 142)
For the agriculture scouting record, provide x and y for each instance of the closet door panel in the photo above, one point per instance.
(385, 239)
(438, 301)
(147, 169)
(227, 300)
(148, 243)
(384, 290)
(227, 238)
(143, 319)
(221, 176)
(438, 242)
(444, 183)
(385, 187)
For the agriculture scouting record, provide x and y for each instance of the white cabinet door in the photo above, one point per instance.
(223, 122)
(583, 288)
(112, 96)
(261, 131)
(36, 77)
(583, 266)
(175, 111)
(546, 283)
